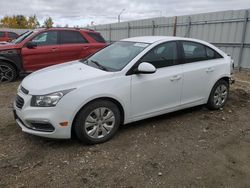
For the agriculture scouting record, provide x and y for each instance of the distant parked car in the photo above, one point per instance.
(45, 47)
(7, 36)
(129, 80)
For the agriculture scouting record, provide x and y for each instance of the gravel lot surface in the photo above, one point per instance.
(190, 148)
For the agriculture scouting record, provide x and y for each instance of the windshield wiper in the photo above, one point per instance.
(99, 65)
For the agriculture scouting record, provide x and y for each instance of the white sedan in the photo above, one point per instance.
(130, 80)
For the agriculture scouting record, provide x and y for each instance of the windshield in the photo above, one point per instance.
(116, 56)
(22, 37)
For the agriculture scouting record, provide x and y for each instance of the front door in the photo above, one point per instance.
(153, 94)
(46, 53)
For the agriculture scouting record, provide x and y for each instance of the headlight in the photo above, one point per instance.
(49, 100)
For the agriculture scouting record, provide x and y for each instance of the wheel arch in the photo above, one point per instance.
(115, 101)
(225, 78)
(17, 68)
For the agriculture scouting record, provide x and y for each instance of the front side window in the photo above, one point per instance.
(72, 37)
(46, 38)
(163, 55)
(198, 52)
(116, 56)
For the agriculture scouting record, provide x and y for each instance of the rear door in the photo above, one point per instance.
(46, 53)
(73, 46)
(199, 71)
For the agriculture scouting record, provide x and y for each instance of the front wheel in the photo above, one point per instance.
(8, 73)
(97, 122)
(218, 95)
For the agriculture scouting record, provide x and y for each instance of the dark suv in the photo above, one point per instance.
(41, 48)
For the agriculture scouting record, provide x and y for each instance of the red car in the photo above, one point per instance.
(41, 48)
(7, 36)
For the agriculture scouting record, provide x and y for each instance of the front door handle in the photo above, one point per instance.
(210, 69)
(85, 47)
(54, 49)
(176, 77)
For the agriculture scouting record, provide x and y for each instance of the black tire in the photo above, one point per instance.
(8, 73)
(81, 121)
(212, 104)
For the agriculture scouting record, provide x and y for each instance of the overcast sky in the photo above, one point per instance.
(83, 12)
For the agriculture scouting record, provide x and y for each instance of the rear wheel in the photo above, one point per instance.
(218, 95)
(97, 122)
(8, 72)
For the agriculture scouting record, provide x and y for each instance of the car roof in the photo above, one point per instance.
(67, 29)
(153, 39)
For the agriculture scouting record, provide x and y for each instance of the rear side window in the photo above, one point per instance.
(2, 34)
(72, 37)
(12, 35)
(97, 37)
(163, 55)
(198, 52)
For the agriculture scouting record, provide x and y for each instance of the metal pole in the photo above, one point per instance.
(128, 30)
(119, 15)
(243, 36)
(110, 40)
(175, 24)
(153, 27)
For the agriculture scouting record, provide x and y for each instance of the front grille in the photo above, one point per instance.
(19, 102)
(25, 91)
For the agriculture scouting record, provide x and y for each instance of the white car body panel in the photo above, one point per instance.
(140, 95)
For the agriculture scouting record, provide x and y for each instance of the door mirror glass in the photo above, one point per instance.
(146, 68)
(31, 45)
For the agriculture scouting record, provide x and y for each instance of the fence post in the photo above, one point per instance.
(110, 39)
(153, 27)
(175, 24)
(243, 36)
(188, 27)
(128, 30)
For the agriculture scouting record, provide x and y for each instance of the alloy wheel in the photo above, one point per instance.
(220, 95)
(6, 73)
(99, 123)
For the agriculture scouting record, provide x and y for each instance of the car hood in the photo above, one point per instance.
(8, 46)
(61, 77)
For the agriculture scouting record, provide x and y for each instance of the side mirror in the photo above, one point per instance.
(31, 44)
(145, 68)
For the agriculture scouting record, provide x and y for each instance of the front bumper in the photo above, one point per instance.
(42, 121)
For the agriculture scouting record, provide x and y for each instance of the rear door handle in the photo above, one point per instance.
(176, 77)
(210, 69)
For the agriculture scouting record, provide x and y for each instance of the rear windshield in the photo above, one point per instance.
(97, 37)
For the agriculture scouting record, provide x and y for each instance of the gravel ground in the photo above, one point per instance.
(190, 148)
